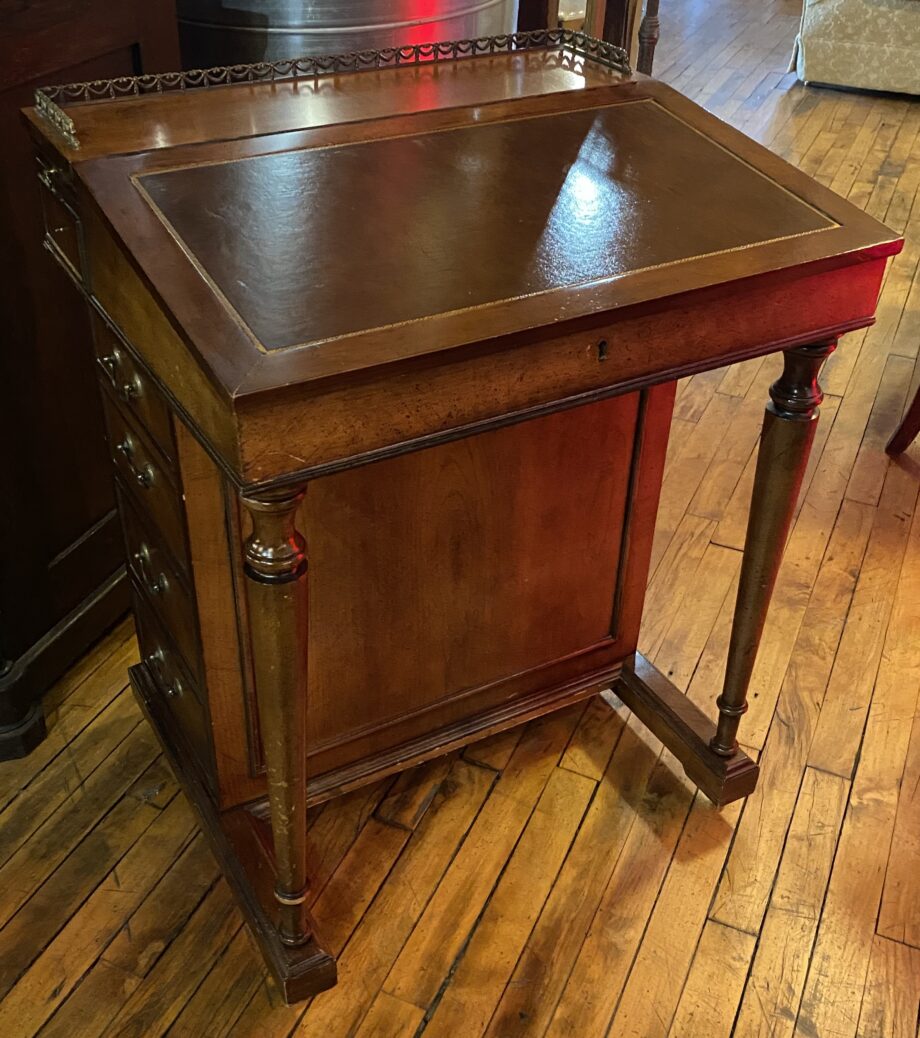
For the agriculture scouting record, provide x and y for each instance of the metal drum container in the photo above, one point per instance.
(226, 32)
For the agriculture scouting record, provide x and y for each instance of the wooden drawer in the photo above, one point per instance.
(175, 685)
(167, 591)
(133, 386)
(149, 478)
(63, 234)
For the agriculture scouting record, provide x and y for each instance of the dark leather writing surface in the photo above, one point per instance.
(313, 244)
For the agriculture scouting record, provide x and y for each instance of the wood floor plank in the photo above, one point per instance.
(674, 581)
(697, 392)
(335, 831)
(411, 794)
(899, 917)
(774, 988)
(891, 1003)
(37, 858)
(837, 975)
(164, 912)
(213, 1009)
(66, 774)
(689, 465)
(744, 891)
(354, 884)
(390, 1017)
(595, 738)
(657, 977)
(47, 911)
(868, 476)
(739, 378)
(98, 682)
(91, 1006)
(495, 751)
(732, 528)
(52, 976)
(75, 683)
(371, 951)
(492, 952)
(716, 587)
(456, 905)
(549, 955)
(605, 957)
(740, 439)
(840, 727)
(713, 989)
(157, 1001)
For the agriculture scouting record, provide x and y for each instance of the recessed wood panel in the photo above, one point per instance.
(437, 573)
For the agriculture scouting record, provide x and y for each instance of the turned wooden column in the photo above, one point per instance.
(649, 31)
(785, 443)
(276, 565)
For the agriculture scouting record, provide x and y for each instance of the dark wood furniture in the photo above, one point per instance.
(610, 20)
(908, 430)
(416, 324)
(62, 577)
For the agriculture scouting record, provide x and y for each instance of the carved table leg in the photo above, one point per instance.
(788, 432)
(276, 565)
(649, 30)
(710, 753)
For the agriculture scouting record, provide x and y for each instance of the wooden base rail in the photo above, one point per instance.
(686, 731)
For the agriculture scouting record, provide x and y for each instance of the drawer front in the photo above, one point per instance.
(176, 687)
(133, 386)
(154, 571)
(63, 233)
(149, 479)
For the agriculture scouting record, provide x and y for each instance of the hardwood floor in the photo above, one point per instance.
(565, 879)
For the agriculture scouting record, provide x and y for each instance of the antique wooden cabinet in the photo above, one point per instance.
(388, 345)
(62, 576)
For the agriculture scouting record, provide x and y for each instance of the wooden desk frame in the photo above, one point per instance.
(224, 403)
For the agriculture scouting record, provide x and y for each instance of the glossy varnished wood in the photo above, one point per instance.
(245, 368)
(821, 857)
(483, 447)
(481, 560)
(583, 217)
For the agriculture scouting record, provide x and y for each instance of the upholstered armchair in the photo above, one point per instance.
(865, 44)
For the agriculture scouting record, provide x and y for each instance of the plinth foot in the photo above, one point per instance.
(686, 731)
(242, 845)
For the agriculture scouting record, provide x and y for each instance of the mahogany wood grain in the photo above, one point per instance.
(442, 573)
(248, 367)
(652, 875)
(472, 375)
(216, 566)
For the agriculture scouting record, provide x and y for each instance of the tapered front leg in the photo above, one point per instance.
(276, 565)
(649, 31)
(788, 432)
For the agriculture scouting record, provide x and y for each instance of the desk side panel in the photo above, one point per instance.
(453, 591)
(120, 291)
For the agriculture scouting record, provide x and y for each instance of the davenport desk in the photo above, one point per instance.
(388, 345)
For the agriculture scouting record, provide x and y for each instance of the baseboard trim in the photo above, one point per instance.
(28, 678)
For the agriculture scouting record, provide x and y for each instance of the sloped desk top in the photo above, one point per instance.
(310, 228)
(417, 317)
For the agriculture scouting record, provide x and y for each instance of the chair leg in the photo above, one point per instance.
(907, 431)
